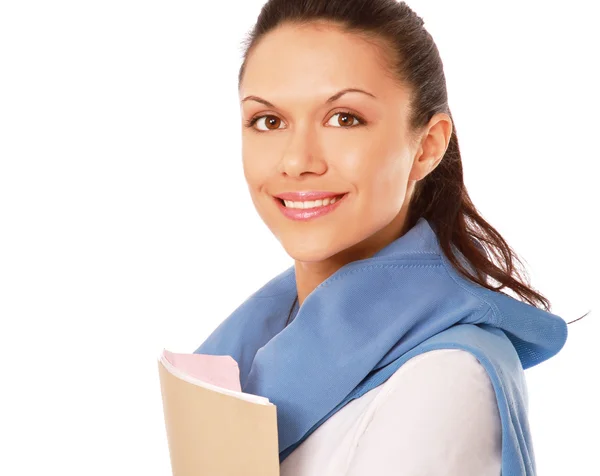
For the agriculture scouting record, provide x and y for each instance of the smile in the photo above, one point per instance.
(314, 209)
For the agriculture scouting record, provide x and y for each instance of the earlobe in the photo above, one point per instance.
(423, 164)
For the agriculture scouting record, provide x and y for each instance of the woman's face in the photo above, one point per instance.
(356, 144)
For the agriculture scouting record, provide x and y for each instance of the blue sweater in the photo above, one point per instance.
(357, 327)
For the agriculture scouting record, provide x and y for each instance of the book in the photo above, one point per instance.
(212, 427)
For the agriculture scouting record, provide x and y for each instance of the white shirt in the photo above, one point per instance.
(435, 416)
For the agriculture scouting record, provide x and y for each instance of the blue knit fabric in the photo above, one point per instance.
(368, 318)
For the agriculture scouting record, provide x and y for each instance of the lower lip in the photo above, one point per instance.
(303, 214)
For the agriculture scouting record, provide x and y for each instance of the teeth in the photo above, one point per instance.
(313, 204)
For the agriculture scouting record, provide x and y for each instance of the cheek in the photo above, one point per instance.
(390, 181)
(260, 159)
(254, 167)
(380, 175)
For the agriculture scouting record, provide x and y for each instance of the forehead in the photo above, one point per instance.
(310, 60)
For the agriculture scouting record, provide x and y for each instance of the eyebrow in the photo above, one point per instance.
(333, 98)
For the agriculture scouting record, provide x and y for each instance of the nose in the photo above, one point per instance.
(302, 154)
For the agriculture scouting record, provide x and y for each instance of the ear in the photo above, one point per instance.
(433, 144)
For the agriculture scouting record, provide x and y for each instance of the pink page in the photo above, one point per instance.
(220, 370)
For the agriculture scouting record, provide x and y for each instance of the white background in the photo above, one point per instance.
(126, 225)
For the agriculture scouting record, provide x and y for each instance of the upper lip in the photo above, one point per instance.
(306, 195)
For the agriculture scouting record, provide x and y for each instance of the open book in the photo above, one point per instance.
(213, 428)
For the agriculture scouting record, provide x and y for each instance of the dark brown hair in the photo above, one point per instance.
(413, 58)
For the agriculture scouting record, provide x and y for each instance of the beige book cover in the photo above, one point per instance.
(213, 428)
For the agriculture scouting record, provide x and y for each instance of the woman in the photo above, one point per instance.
(384, 347)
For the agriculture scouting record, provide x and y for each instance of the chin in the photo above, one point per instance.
(308, 252)
(312, 249)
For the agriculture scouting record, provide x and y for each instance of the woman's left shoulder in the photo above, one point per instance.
(448, 368)
(437, 414)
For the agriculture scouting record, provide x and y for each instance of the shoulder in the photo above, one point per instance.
(452, 380)
(448, 368)
(437, 414)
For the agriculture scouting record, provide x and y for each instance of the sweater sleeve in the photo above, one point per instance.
(437, 415)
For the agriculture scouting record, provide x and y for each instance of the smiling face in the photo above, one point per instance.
(358, 143)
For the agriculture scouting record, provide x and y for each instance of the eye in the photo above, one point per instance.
(272, 122)
(345, 119)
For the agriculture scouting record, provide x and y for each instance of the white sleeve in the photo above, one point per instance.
(437, 415)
